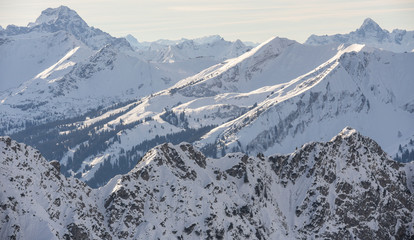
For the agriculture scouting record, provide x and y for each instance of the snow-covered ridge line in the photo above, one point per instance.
(268, 49)
(288, 90)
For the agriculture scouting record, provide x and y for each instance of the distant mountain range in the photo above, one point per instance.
(97, 103)
(337, 190)
(64, 59)
(371, 34)
(57, 32)
(165, 42)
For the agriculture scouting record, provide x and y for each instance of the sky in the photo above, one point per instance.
(246, 20)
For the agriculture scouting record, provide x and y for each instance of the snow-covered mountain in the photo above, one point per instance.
(26, 55)
(104, 78)
(27, 51)
(371, 34)
(166, 42)
(256, 103)
(114, 112)
(133, 42)
(70, 68)
(103, 107)
(347, 187)
(213, 48)
(272, 99)
(355, 87)
(66, 19)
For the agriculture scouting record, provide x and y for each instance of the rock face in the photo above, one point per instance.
(37, 202)
(345, 188)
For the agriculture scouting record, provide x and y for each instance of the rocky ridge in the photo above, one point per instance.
(345, 188)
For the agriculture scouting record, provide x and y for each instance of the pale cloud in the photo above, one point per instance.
(220, 8)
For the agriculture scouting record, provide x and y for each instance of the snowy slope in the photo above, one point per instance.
(213, 109)
(66, 19)
(26, 55)
(59, 67)
(369, 90)
(27, 51)
(214, 49)
(347, 187)
(354, 86)
(273, 62)
(271, 99)
(104, 78)
(165, 42)
(103, 108)
(371, 34)
(133, 42)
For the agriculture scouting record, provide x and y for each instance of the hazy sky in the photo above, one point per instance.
(247, 20)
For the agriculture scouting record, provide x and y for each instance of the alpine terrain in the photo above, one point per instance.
(115, 138)
(63, 59)
(345, 188)
(270, 99)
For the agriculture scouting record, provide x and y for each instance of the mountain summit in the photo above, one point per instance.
(61, 16)
(370, 25)
(371, 30)
(64, 19)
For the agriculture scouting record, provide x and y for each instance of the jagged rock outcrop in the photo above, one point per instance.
(341, 189)
(38, 202)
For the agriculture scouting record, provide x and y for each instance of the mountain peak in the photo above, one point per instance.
(133, 41)
(277, 43)
(347, 132)
(65, 19)
(208, 39)
(60, 15)
(370, 25)
(131, 37)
